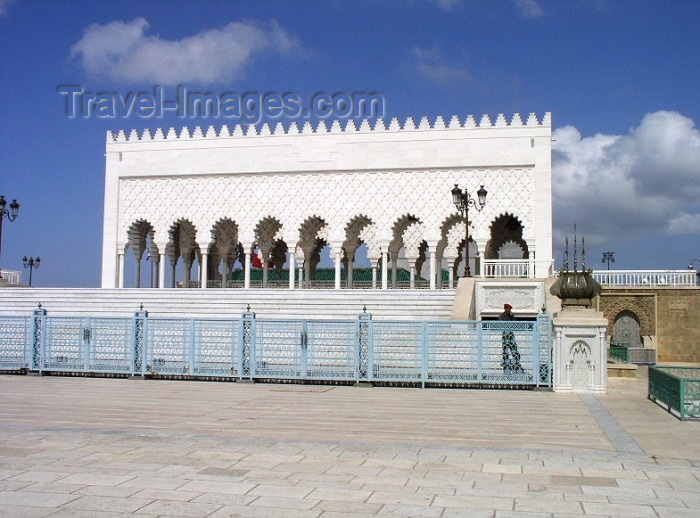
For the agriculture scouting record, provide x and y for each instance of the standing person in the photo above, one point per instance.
(511, 356)
(507, 313)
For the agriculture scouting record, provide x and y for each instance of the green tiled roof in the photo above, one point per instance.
(328, 275)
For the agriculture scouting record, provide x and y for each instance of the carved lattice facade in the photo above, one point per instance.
(212, 199)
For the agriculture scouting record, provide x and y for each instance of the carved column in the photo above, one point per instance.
(161, 271)
(291, 270)
(385, 269)
(121, 270)
(338, 258)
(247, 248)
(203, 268)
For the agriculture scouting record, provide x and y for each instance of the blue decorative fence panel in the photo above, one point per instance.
(216, 348)
(450, 352)
(454, 354)
(71, 344)
(277, 351)
(508, 352)
(168, 345)
(15, 334)
(63, 344)
(396, 351)
(330, 349)
(109, 344)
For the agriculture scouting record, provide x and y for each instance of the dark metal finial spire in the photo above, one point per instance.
(575, 251)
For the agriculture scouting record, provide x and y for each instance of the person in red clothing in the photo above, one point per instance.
(507, 313)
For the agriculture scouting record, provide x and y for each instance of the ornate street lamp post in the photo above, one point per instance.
(31, 263)
(609, 257)
(11, 215)
(463, 201)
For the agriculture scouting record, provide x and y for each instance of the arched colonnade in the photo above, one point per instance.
(293, 252)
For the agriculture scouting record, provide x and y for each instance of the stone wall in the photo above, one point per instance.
(671, 316)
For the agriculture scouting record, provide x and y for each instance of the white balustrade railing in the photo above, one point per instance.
(648, 278)
(523, 268)
(12, 277)
(506, 268)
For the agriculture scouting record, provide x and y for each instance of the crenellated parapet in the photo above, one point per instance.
(335, 127)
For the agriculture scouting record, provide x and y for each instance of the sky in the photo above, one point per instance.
(620, 77)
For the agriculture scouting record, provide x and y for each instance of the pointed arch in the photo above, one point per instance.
(268, 239)
(182, 244)
(506, 227)
(626, 328)
(224, 252)
(312, 239)
(355, 236)
(140, 238)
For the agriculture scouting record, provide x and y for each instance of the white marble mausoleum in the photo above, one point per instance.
(202, 204)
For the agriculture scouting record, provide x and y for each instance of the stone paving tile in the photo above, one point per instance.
(281, 491)
(93, 479)
(285, 503)
(652, 501)
(111, 504)
(474, 502)
(390, 488)
(114, 491)
(338, 514)
(53, 487)
(401, 498)
(19, 511)
(522, 514)
(620, 510)
(167, 494)
(222, 499)
(411, 510)
(264, 512)
(176, 508)
(340, 495)
(539, 505)
(78, 513)
(7, 473)
(502, 468)
(688, 498)
(675, 512)
(32, 499)
(152, 483)
(576, 497)
(472, 513)
(13, 485)
(326, 478)
(210, 486)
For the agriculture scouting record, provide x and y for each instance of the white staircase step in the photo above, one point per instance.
(227, 303)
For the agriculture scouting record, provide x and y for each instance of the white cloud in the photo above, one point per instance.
(447, 4)
(529, 8)
(431, 65)
(626, 186)
(685, 224)
(526, 8)
(122, 51)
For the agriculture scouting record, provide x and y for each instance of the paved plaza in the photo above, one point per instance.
(72, 446)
